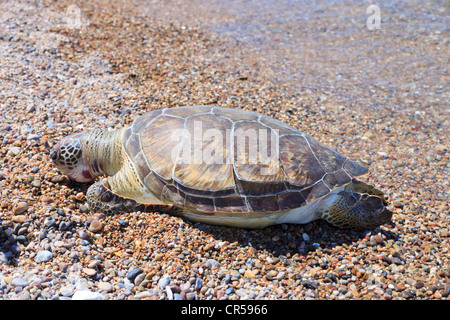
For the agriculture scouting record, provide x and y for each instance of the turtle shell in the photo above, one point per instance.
(214, 160)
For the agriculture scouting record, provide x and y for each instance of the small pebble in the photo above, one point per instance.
(211, 263)
(96, 226)
(198, 284)
(21, 208)
(177, 296)
(19, 282)
(34, 137)
(66, 291)
(15, 150)
(132, 274)
(105, 286)
(86, 295)
(90, 272)
(36, 183)
(43, 256)
(57, 179)
(164, 282)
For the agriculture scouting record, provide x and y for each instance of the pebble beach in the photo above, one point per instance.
(376, 96)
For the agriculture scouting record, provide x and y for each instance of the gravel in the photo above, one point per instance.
(43, 256)
(385, 107)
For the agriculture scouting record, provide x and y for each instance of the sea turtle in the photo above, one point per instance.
(222, 166)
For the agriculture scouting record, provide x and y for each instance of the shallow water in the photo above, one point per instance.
(327, 46)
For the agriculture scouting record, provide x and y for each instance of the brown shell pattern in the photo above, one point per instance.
(216, 160)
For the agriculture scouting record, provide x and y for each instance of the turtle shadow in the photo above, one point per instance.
(6, 253)
(288, 240)
(78, 186)
(280, 240)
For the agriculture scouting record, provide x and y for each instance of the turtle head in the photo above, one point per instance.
(357, 211)
(67, 155)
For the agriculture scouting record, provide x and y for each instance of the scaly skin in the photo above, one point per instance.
(85, 156)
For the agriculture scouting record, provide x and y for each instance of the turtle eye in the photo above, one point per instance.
(54, 154)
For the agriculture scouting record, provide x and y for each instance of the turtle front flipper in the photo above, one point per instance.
(101, 199)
